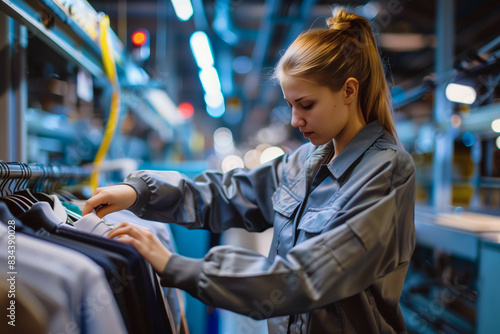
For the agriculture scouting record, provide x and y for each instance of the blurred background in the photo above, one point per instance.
(192, 78)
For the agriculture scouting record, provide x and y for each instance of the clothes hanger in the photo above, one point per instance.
(21, 184)
(57, 176)
(14, 206)
(37, 187)
(24, 189)
(5, 178)
(18, 185)
(36, 196)
(66, 195)
(21, 199)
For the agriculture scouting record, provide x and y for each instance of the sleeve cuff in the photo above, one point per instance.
(183, 273)
(142, 189)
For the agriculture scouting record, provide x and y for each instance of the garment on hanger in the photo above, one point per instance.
(91, 223)
(143, 306)
(30, 316)
(131, 281)
(72, 288)
(140, 274)
(175, 298)
(110, 262)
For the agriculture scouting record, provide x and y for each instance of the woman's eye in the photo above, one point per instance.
(307, 107)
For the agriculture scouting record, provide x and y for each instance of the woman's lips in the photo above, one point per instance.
(307, 134)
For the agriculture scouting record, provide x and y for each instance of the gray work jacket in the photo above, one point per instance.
(343, 236)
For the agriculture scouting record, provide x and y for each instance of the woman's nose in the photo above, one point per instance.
(297, 120)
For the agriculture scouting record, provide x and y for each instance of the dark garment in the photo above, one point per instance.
(131, 280)
(343, 235)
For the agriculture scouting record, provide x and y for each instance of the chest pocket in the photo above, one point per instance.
(284, 203)
(316, 219)
(285, 206)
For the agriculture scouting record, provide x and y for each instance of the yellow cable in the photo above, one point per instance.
(110, 70)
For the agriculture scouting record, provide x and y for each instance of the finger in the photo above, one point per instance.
(127, 240)
(134, 238)
(145, 230)
(89, 205)
(113, 232)
(129, 229)
(92, 203)
(116, 230)
(95, 201)
(105, 209)
(87, 208)
(139, 246)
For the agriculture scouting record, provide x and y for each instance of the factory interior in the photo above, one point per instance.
(91, 91)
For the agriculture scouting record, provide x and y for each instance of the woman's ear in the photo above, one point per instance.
(351, 88)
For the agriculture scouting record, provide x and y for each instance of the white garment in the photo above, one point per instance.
(161, 230)
(72, 288)
(59, 209)
(91, 223)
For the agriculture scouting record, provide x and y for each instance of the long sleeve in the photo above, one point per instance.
(371, 237)
(213, 201)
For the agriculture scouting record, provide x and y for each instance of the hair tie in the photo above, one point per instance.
(334, 24)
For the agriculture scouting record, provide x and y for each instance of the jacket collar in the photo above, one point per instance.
(356, 147)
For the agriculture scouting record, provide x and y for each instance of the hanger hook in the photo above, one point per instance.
(39, 182)
(20, 181)
(5, 177)
(5, 184)
(27, 178)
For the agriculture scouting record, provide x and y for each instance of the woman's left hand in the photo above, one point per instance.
(146, 243)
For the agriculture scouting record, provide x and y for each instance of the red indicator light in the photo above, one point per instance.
(186, 110)
(139, 38)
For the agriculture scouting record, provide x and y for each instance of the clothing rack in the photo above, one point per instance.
(16, 176)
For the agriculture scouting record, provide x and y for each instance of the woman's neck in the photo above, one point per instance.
(347, 134)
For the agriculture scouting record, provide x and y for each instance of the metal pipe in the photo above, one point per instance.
(17, 170)
(443, 150)
(13, 89)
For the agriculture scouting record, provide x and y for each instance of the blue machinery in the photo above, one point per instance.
(452, 285)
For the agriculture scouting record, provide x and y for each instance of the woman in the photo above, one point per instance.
(342, 206)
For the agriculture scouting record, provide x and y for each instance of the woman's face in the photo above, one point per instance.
(319, 113)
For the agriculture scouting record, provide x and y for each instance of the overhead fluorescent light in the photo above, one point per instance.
(214, 100)
(210, 80)
(200, 46)
(183, 9)
(460, 93)
(495, 125)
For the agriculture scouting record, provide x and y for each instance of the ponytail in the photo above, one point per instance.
(328, 57)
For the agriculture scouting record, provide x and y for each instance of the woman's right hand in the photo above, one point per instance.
(110, 199)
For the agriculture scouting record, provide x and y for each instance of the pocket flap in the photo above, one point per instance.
(284, 203)
(316, 221)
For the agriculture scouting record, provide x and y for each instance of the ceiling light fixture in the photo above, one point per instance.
(460, 93)
(200, 46)
(183, 9)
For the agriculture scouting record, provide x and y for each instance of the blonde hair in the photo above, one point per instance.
(328, 57)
